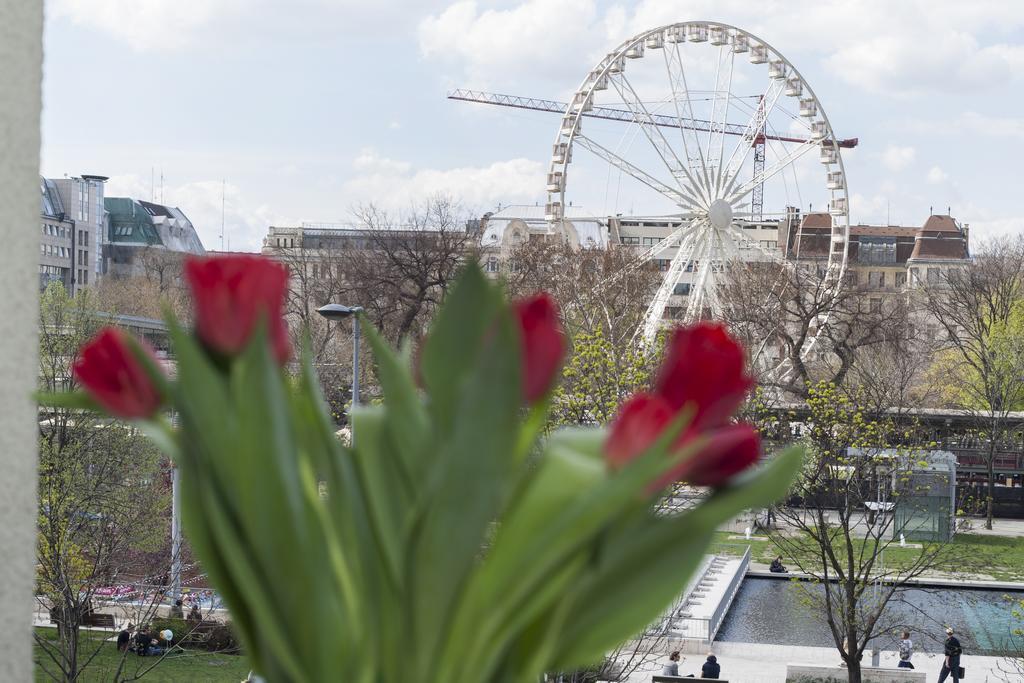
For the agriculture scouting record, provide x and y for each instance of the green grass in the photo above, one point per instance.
(193, 666)
(1001, 557)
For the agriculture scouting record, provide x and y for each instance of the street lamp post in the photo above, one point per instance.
(340, 312)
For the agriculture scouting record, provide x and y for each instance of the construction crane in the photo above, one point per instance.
(627, 116)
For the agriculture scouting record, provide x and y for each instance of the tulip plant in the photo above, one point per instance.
(456, 542)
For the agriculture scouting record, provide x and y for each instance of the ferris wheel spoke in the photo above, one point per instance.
(684, 257)
(793, 154)
(642, 116)
(699, 289)
(754, 127)
(675, 238)
(685, 123)
(736, 233)
(676, 195)
(720, 109)
(681, 93)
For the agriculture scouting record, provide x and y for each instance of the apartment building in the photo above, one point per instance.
(72, 218)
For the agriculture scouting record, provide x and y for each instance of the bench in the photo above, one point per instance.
(671, 679)
(96, 619)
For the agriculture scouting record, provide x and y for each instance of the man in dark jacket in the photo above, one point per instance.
(951, 664)
(711, 668)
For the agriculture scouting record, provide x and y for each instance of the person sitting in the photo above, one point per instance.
(777, 566)
(194, 615)
(672, 668)
(124, 638)
(142, 642)
(711, 668)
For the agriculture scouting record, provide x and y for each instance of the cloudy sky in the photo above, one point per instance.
(307, 108)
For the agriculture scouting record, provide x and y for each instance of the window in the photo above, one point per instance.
(852, 278)
(876, 250)
(876, 279)
(681, 288)
(625, 239)
(901, 279)
(934, 276)
(492, 265)
(770, 245)
(651, 241)
(662, 264)
(876, 305)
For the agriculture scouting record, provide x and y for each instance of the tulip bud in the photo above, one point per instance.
(543, 343)
(232, 294)
(115, 378)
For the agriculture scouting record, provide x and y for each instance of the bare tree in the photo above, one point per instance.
(602, 291)
(315, 279)
(786, 306)
(101, 496)
(974, 305)
(855, 498)
(158, 284)
(405, 264)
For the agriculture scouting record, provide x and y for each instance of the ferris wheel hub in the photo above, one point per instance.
(720, 214)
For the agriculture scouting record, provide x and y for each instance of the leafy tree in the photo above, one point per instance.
(830, 532)
(979, 309)
(102, 495)
(598, 376)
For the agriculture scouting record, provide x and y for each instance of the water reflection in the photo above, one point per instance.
(773, 611)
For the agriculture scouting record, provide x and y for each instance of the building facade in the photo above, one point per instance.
(139, 232)
(56, 248)
(73, 216)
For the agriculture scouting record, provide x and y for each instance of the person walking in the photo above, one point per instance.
(952, 652)
(672, 668)
(711, 668)
(906, 650)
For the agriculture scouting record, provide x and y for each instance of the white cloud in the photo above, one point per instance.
(1003, 127)
(245, 221)
(154, 24)
(937, 176)
(896, 157)
(395, 184)
(538, 38)
(167, 25)
(901, 49)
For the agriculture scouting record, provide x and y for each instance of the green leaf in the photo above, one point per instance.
(650, 559)
(70, 400)
(408, 424)
(468, 485)
(379, 469)
(455, 339)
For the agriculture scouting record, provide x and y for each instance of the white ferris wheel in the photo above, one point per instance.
(708, 131)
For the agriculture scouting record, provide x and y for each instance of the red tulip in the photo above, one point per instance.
(704, 366)
(731, 450)
(641, 419)
(232, 294)
(703, 371)
(543, 343)
(115, 378)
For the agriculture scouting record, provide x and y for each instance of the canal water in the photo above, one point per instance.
(773, 611)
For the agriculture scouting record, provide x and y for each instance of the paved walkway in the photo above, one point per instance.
(758, 663)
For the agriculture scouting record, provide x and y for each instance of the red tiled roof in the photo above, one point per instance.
(940, 224)
(950, 248)
(883, 231)
(816, 220)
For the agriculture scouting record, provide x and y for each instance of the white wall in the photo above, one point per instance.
(21, 53)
